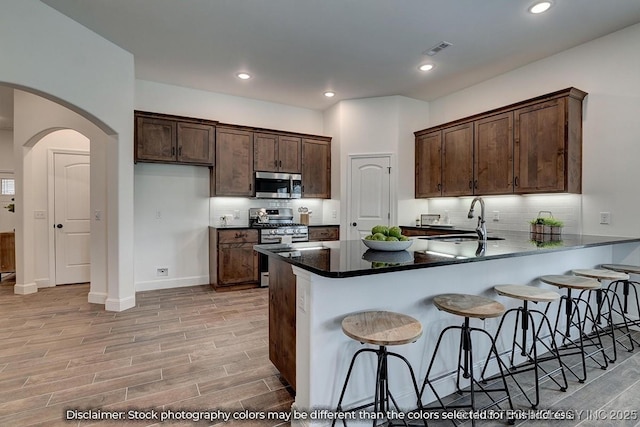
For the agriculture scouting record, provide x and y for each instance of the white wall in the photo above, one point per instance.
(608, 69)
(382, 125)
(37, 116)
(49, 54)
(179, 239)
(7, 219)
(6, 150)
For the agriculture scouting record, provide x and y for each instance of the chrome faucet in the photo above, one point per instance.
(481, 228)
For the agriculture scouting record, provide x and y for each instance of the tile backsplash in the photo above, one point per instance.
(238, 206)
(514, 212)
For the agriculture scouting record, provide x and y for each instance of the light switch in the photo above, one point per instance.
(40, 214)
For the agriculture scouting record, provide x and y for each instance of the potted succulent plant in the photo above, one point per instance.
(546, 225)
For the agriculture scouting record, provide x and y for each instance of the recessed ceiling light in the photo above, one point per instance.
(540, 7)
(243, 76)
(426, 67)
(329, 94)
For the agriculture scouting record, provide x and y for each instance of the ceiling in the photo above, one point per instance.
(298, 49)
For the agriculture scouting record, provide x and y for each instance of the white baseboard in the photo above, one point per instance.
(97, 298)
(44, 283)
(112, 304)
(25, 288)
(152, 285)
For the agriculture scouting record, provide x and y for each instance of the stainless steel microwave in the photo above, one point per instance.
(270, 185)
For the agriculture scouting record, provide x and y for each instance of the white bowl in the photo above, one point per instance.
(395, 257)
(383, 245)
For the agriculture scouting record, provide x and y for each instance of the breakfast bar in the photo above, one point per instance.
(335, 279)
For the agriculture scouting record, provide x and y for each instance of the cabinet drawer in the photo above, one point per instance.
(324, 233)
(237, 236)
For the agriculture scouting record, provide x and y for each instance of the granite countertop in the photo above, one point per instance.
(338, 259)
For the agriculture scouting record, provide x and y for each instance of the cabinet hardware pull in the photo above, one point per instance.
(173, 151)
(475, 184)
(470, 184)
(515, 181)
(280, 163)
(179, 151)
(439, 186)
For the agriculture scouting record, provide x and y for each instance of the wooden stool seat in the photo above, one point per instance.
(382, 328)
(469, 305)
(622, 268)
(526, 293)
(601, 274)
(571, 282)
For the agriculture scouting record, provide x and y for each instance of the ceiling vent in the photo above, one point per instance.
(437, 48)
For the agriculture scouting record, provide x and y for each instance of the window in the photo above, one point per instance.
(7, 187)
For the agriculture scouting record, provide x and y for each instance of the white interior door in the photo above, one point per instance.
(72, 218)
(370, 199)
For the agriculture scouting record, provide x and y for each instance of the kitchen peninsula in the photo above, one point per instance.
(334, 279)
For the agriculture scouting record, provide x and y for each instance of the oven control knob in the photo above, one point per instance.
(272, 231)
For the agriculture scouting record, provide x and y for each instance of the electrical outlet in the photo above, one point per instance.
(605, 217)
(39, 214)
(164, 271)
(334, 214)
(236, 214)
(496, 215)
(158, 214)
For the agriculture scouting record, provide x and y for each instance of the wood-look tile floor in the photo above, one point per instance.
(190, 349)
(179, 349)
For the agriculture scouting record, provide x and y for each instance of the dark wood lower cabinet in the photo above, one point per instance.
(7, 252)
(233, 263)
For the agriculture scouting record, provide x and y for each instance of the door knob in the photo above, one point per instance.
(354, 224)
(59, 225)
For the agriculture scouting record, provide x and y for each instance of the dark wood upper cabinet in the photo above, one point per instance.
(457, 160)
(548, 146)
(289, 154)
(276, 153)
(233, 173)
(316, 168)
(428, 160)
(170, 139)
(155, 139)
(493, 155)
(196, 143)
(534, 146)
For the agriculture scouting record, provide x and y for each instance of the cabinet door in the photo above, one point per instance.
(457, 160)
(196, 143)
(234, 162)
(319, 234)
(155, 139)
(539, 147)
(265, 152)
(237, 263)
(428, 162)
(316, 168)
(494, 155)
(289, 155)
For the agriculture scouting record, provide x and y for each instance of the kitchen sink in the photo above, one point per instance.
(456, 238)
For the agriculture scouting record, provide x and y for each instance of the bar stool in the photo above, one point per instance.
(530, 337)
(381, 328)
(607, 298)
(467, 306)
(626, 286)
(574, 318)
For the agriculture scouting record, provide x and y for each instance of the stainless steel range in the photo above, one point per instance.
(276, 225)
